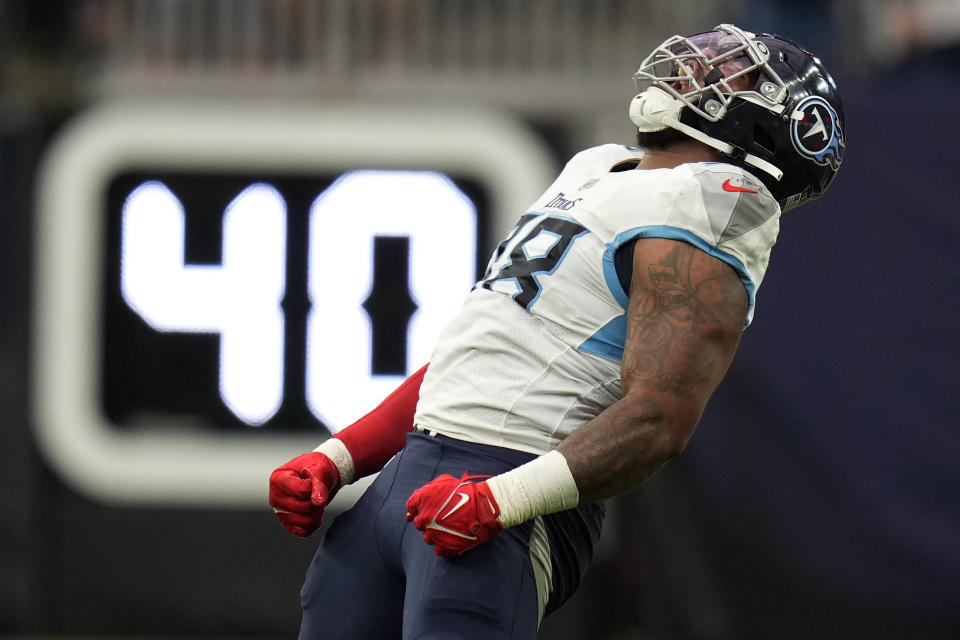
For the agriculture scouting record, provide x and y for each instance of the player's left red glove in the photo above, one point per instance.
(454, 514)
(301, 489)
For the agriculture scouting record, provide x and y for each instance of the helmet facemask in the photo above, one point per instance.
(707, 71)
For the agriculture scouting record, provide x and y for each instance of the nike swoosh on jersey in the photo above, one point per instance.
(734, 189)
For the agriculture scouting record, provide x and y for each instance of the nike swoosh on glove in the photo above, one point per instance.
(454, 514)
(301, 489)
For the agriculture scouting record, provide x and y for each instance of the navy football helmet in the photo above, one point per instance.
(766, 103)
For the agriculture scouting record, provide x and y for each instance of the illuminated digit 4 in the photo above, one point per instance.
(238, 299)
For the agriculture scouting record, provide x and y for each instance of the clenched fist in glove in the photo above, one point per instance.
(301, 489)
(455, 515)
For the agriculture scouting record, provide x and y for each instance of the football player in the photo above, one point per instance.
(580, 363)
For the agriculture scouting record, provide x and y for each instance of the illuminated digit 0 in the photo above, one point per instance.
(440, 222)
(238, 299)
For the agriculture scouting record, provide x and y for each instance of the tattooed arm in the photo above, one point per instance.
(684, 322)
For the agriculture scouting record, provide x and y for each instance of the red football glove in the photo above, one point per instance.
(301, 489)
(455, 515)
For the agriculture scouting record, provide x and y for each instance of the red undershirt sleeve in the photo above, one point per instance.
(379, 435)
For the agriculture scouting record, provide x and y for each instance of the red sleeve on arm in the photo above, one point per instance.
(377, 436)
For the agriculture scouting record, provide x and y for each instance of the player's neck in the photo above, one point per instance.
(676, 154)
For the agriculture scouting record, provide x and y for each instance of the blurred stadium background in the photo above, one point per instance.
(821, 495)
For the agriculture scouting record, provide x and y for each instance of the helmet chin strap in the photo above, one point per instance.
(649, 108)
(655, 110)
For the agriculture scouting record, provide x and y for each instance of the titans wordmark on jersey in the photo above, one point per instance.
(535, 351)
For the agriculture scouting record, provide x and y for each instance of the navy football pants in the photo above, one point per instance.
(373, 574)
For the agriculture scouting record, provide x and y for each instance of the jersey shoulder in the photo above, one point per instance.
(604, 158)
(720, 208)
(583, 171)
(730, 178)
(733, 200)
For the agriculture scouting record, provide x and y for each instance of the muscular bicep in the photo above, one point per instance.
(686, 314)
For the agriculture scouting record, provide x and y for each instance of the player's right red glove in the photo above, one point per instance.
(301, 489)
(455, 514)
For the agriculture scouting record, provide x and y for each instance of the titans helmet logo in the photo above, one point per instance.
(817, 134)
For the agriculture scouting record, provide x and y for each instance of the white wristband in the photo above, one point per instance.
(543, 485)
(334, 449)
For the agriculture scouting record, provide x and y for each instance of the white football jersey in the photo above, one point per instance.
(535, 351)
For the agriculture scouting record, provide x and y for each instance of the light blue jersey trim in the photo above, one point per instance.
(610, 339)
(670, 233)
(610, 268)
